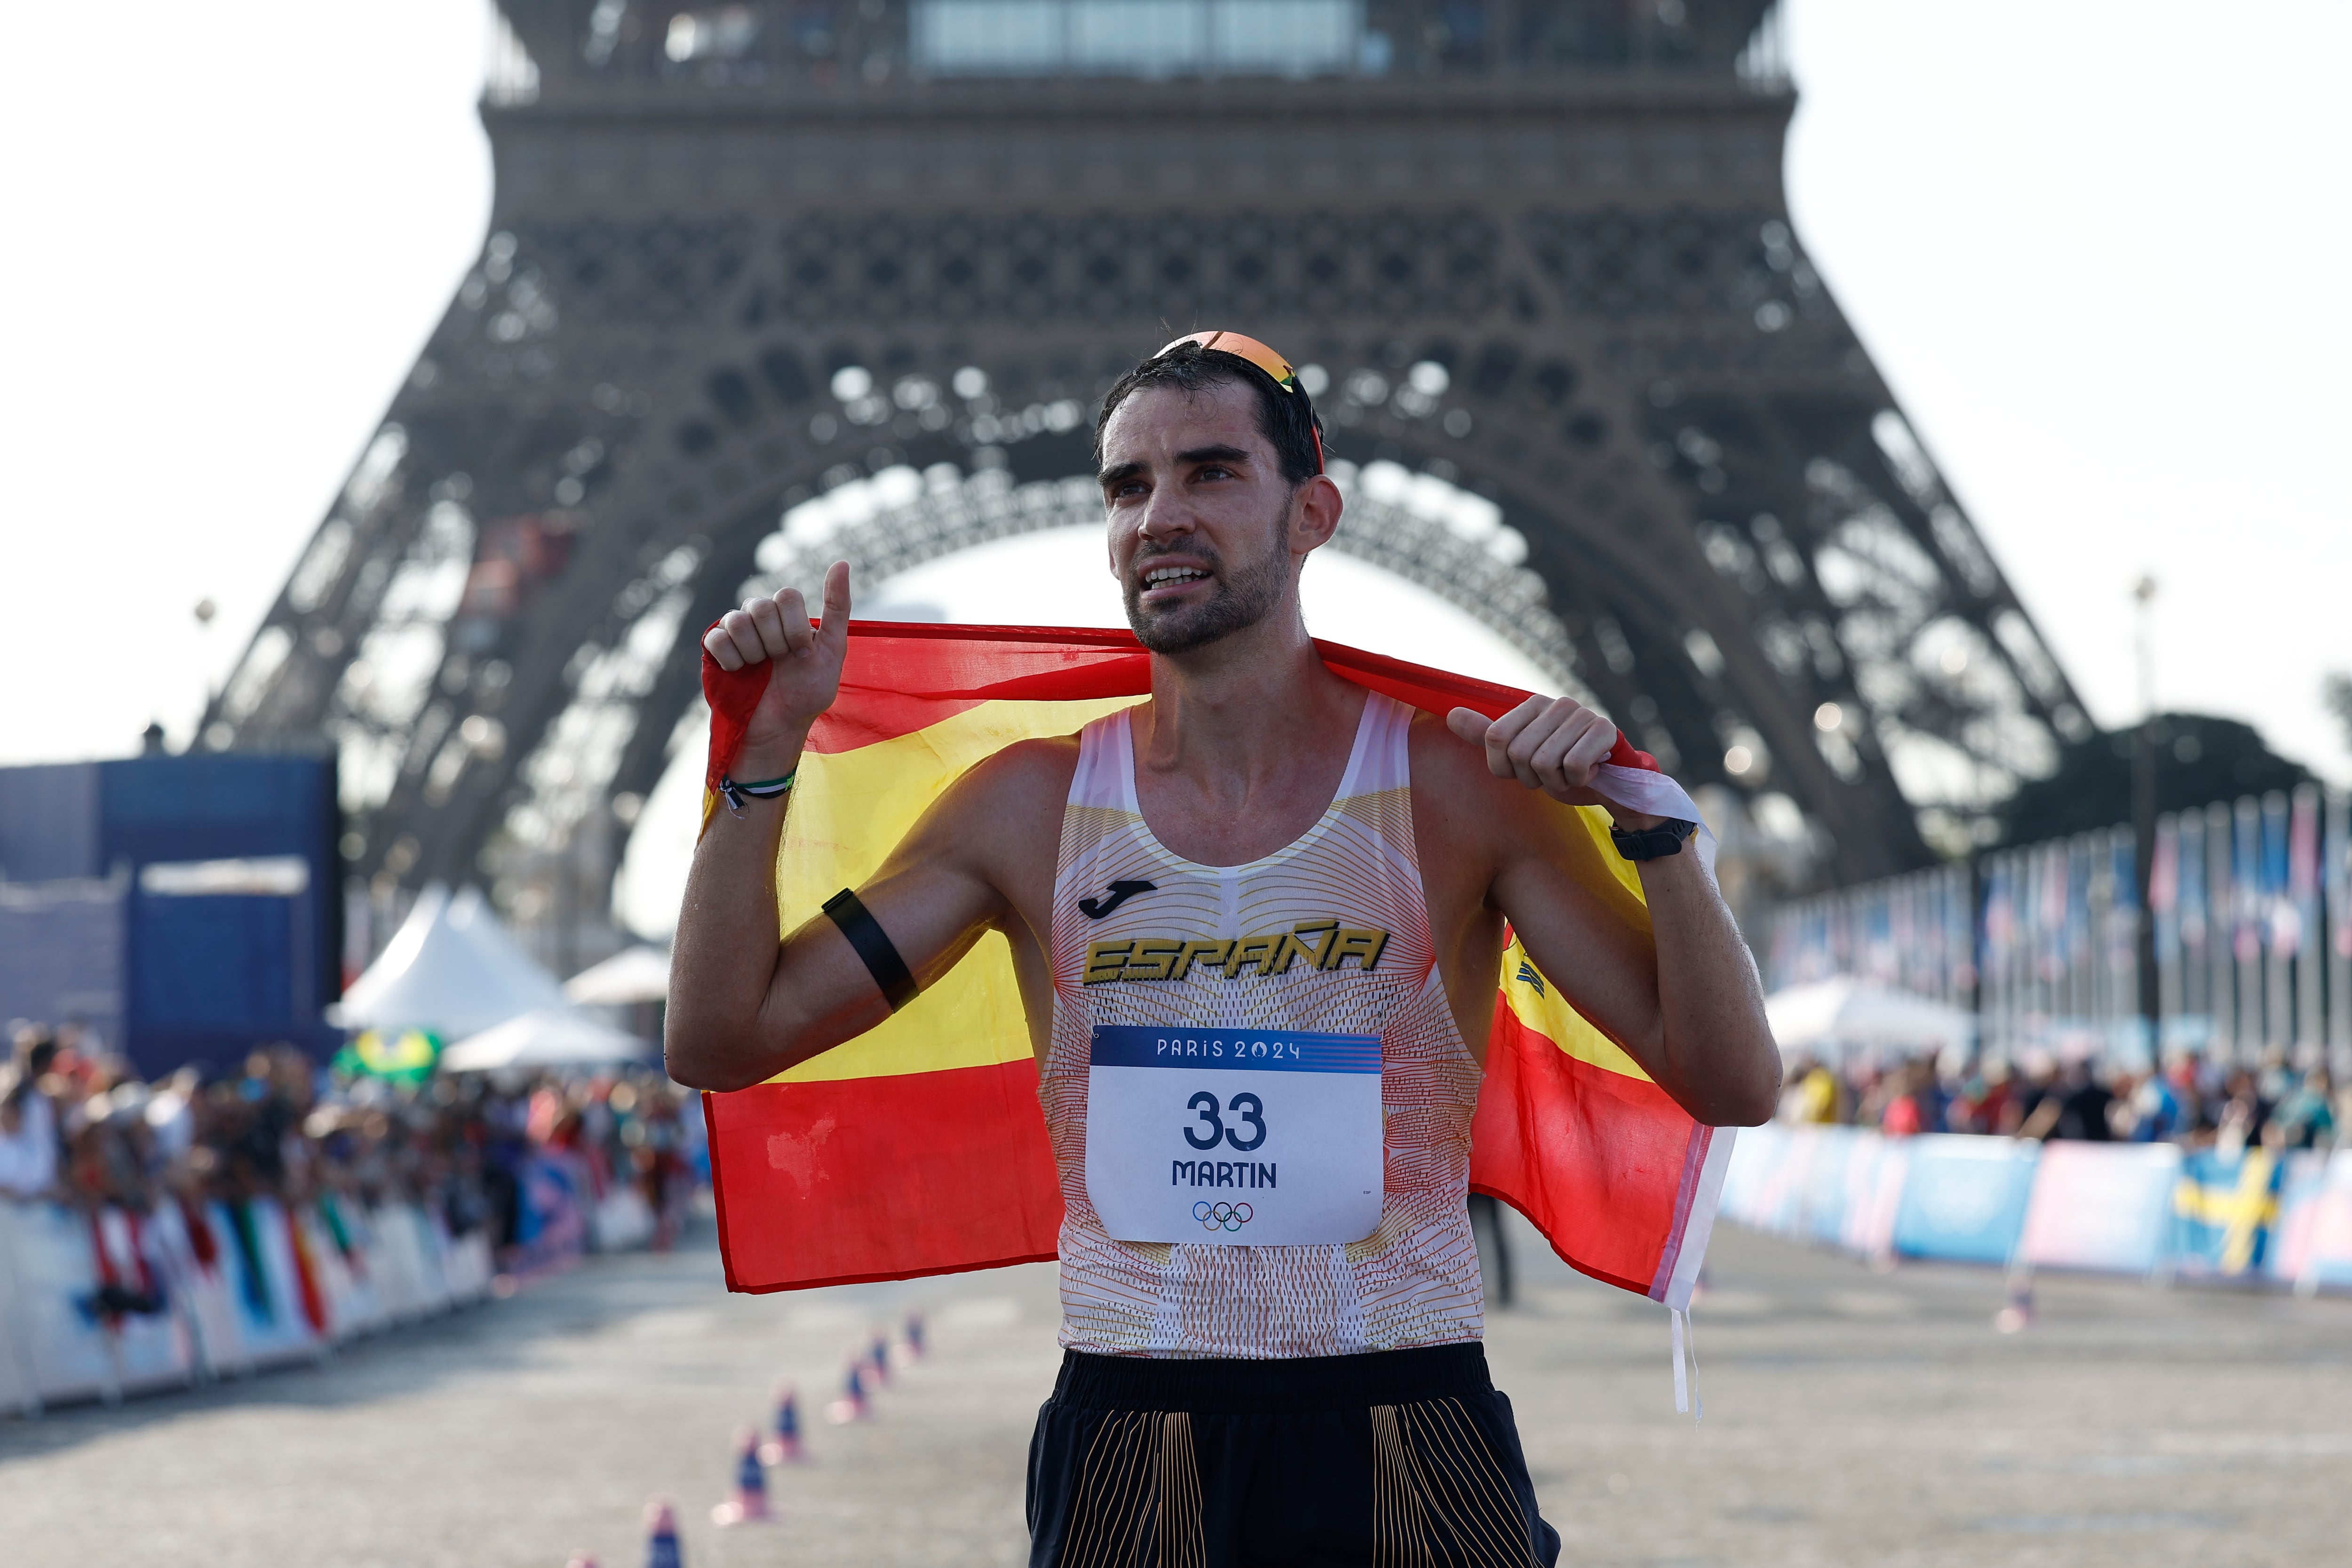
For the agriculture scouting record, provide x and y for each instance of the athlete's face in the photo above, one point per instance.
(1205, 533)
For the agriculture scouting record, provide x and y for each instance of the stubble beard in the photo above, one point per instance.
(1240, 601)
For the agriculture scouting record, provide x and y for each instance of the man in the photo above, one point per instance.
(1321, 1398)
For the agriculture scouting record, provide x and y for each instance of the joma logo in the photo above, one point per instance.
(1100, 908)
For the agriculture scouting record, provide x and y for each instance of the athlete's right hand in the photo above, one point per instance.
(807, 674)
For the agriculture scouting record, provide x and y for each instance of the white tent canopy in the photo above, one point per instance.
(1829, 1016)
(451, 969)
(633, 975)
(547, 1038)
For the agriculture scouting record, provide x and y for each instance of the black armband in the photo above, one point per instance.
(873, 944)
(1654, 843)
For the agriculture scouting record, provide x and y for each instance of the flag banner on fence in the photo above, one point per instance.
(2223, 1210)
(920, 1147)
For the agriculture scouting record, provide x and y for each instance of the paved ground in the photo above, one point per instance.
(1851, 1417)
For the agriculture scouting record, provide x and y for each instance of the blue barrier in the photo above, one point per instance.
(2121, 1208)
(1876, 1172)
(1965, 1197)
(1755, 1154)
(1821, 1206)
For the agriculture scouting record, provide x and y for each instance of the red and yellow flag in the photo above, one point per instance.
(919, 1147)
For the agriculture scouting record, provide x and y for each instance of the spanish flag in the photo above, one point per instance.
(919, 1147)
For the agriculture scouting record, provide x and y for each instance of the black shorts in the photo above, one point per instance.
(1406, 1457)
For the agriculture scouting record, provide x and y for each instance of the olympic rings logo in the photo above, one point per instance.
(1221, 1217)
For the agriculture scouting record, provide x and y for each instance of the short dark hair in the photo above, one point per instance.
(1286, 419)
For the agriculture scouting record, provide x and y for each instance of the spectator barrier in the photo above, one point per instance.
(2106, 1207)
(1964, 1198)
(104, 1304)
(2315, 1225)
(2149, 1209)
(100, 1304)
(122, 1268)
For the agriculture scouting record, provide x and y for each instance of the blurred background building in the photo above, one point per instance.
(174, 908)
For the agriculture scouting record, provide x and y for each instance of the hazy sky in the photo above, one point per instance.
(2098, 248)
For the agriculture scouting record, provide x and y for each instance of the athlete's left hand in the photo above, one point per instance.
(1547, 743)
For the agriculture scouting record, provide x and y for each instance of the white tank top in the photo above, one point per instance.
(1415, 1280)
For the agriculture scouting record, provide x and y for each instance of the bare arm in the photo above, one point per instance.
(1681, 996)
(745, 1003)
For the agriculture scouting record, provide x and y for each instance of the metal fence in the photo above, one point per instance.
(2252, 914)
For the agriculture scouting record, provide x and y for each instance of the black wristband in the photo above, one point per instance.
(1654, 843)
(873, 944)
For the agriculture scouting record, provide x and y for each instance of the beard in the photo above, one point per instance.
(1239, 600)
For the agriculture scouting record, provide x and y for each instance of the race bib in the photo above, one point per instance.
(1239, 1137)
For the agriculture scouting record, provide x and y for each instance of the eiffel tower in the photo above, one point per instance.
(1534, 257)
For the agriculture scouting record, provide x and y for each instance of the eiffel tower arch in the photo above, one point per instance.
(1579, 377)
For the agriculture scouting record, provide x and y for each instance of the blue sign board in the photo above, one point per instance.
(227, 885)
(1965, 1197)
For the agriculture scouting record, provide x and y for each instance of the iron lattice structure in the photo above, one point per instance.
(1583, 380)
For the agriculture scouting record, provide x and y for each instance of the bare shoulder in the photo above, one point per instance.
(1047, 760)
(1455, 793)
(1461, 814)
(1027, 778)
(1010, 800)
(999, 825)
(1443, 759)
(1465, 815)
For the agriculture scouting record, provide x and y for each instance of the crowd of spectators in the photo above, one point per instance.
(2190, 1099)
(78, 1127)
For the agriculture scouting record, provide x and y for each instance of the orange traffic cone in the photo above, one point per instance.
(785, 1447)
(661, 1535)
(750, 1503)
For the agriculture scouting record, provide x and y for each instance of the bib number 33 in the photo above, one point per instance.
(1248, 1111)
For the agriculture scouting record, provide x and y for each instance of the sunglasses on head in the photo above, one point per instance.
(1264, 359)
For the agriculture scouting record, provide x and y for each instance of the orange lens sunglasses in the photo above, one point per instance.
(1264, 359)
